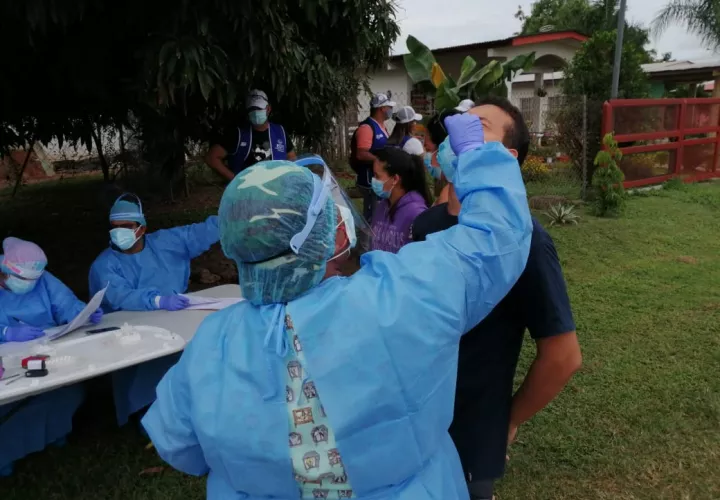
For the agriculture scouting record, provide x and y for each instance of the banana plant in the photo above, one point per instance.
(474, 82)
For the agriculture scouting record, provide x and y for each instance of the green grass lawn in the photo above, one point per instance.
(640, 421)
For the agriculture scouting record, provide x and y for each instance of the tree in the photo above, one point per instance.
(179, 69)
(589, 74)
(700, 17)
(473, 82)
(590, 70)
(584, 16)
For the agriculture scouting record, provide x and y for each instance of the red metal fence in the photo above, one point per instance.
(664, 138)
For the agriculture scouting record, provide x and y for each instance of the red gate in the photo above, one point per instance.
(664, 138)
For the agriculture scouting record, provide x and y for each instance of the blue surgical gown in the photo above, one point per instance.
(43, 419)
(381, 347)
(161, 268)
(50, 303)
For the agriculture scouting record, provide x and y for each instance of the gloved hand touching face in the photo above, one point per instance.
(174, 302)
(21, 333)
(96, 317)
(465, 132)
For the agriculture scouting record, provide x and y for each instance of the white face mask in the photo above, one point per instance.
(349, 221)
(347, 217)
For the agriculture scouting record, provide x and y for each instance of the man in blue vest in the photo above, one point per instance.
(258, 141)
(370, 136)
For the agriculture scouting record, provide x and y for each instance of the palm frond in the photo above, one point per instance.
(700, 17)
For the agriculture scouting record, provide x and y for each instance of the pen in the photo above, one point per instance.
(11, 377)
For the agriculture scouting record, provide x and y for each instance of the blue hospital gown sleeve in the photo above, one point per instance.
(196, 239)
(447, 284)
(120, 295)
(168, 421)
(65, 305)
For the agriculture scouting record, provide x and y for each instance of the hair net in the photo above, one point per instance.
(128, 210)
(22, 258)
(260, 212)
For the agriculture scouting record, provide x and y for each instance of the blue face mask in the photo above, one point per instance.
(378, 189)
(123, 238)
(19, 286)
(435, 172)
(447, 160)
(258, 117)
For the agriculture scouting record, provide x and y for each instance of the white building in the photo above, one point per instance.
(552, 52)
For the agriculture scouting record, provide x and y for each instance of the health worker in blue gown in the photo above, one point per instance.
(32, 299)
(146, 272)
(321, 386)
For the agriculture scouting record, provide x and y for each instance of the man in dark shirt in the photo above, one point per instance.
(487, 415)
(260, 140)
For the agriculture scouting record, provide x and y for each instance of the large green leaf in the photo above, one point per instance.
(468, 66)
(446, 97)
(419, 61)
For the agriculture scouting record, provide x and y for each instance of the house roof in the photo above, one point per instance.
(513, 41)
(703, 69)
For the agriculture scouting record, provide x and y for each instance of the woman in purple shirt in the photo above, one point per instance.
(399, 182)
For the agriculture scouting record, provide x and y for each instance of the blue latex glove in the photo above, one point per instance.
(465, 132)
(96, 317)
(22, 333)
(174, 302)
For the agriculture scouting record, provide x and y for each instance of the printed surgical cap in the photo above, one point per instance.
(22, 258)
(260, 211)
(125, 209)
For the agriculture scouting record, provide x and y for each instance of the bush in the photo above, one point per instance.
(534, 169)
(607, 181)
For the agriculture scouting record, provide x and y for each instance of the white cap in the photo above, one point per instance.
(413, 146)
(406, 115)
(380, 101)
(257, 99)
(465, 105)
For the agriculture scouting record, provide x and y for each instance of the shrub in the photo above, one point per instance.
(562, 214)
(534, 169)
(607, 181)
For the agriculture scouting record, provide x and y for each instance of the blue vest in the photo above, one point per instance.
(278, 145)
(380, 138)
(404, 140)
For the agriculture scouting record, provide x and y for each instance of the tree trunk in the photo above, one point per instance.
(101, 155)
(18, 181)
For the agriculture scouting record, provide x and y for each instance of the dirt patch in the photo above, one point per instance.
(545, 202)
(686, 259)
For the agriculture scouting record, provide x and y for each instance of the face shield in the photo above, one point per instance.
(354, 221)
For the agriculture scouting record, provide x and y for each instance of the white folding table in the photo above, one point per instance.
(79, 357)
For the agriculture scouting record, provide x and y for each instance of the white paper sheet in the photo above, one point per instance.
(80, 320)
(209, 303)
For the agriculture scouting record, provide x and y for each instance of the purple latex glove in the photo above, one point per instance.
(174, 302)
(96, 317)
(22, 333)
(465, 132)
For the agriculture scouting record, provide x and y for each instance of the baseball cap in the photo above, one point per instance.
(381, 100)
(465, 105)
(256, 99)
(407, 114)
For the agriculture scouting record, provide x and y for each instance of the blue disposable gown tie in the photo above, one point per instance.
(44, 419)
(381, 347)
(161, 268)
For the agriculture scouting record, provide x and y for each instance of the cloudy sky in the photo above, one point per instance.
(444, 23)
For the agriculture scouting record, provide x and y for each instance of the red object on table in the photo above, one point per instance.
(31, 358)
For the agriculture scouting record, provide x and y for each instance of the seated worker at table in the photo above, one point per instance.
(147, 271)
(333, 387)
(32, 299)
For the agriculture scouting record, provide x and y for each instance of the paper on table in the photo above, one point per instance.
(209, 303)
(80, 320)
